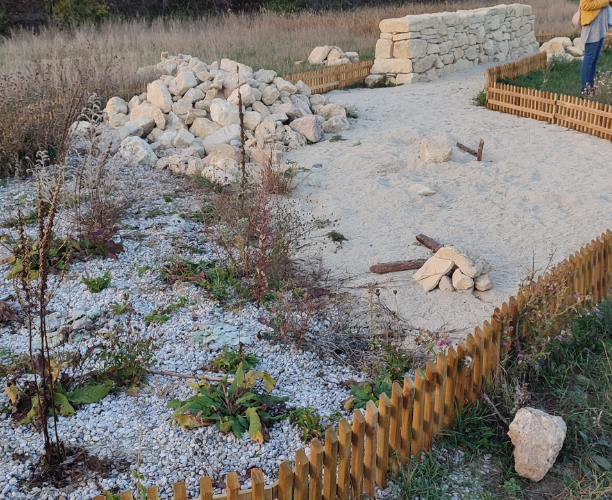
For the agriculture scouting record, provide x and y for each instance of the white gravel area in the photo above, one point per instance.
(113, 427)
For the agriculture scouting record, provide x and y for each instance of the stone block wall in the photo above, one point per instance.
(427, 46)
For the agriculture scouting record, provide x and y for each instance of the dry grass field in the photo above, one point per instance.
(112, 52)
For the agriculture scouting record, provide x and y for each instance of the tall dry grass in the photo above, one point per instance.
(271, 41)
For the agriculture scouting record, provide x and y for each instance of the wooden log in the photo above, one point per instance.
(344, 459)
(400, 265)
(357, 454)
(369, 466)
(330, 462)
(206, 489)
(480, 147)
(257, 480)
(467, 150)
(430, 243)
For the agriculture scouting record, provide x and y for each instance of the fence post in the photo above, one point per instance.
(330, 462)
(344, 459)
(357, 454)
(382, 446)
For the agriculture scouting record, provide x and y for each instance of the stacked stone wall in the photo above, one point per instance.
(427, 46)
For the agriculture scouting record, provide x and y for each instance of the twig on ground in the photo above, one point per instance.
(495, 410)
(188, 376)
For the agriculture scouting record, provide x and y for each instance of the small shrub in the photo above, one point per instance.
(383, 82)
(336, 237)
(73, 12)
(481, 98)
(228, 361)
(336, 138)
(143, 269)
(308, 421)
(167, 198)
(96, 285)
(368, 391)
(160, 315)
(236, 408)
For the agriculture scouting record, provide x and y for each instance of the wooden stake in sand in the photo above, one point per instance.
(401, 265)
(477, 154)
(430, 243)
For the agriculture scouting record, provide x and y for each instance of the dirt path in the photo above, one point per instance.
(540, 189)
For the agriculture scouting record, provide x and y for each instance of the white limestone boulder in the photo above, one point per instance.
(537, 438)
(136, 151)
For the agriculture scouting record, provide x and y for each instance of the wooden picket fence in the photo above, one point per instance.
(359, 457)
(333, 77)
(584, 115)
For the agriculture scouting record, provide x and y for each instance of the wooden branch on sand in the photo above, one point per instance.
(477, 154)
(392, 267)
(430, 243)
(188, 376)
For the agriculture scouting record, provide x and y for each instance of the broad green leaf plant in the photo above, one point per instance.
(234, 407)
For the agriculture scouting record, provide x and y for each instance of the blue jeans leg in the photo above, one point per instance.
(589, 63)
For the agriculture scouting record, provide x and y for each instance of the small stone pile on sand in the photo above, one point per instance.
(562, 47)
(188, 120)
(451, 269)
(332, 56)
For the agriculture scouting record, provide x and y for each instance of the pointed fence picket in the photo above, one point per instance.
(358, 458)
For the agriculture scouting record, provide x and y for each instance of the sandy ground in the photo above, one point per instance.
(540, 188)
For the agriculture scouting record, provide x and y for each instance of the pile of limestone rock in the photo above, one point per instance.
(451, 269)
(188, 120)
(332, 56)
(562, 47)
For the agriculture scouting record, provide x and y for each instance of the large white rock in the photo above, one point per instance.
(318, 55)
(261, 108)
(430, 274)
(219, 167)
(284, 86)
(265, 75)
(421, 189)
(159, 95)
(483, 282)
(224, 135)
(252, 119)
(270, 95)
(228, 65)
(537, 438)
(143, 122)
(409, 49)
(335, 124)
(136, 151)
(225, 113)
(193, 114)
(202, 127)
(183, 139)
(194, 95)
(147, 109)
(330, 110)
(435, 149)
(461, 281)
(184, 81)
(466, 264)
(248, 94)
(182, 107)
(118, 120)
(302, 88)
(309, 126)
(446, 284)
(392, 66)
(116, 105)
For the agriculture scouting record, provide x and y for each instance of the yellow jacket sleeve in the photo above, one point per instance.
(593, 4)
(589, 10)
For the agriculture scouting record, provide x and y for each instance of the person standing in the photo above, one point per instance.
(594, 20)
